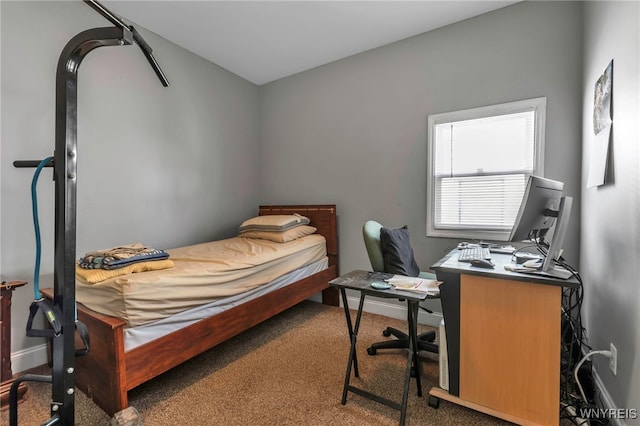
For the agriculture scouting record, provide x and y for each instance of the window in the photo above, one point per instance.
(478, 166)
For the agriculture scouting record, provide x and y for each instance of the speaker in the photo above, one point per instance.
(444, 359)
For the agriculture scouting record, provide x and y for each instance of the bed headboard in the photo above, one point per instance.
(322, 216)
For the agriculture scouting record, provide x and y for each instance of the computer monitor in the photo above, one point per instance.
(559, 232)
(542, 207)
(538, 209)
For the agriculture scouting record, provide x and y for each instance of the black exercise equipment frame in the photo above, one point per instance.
(63, 351)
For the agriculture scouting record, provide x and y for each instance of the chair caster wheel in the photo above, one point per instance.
(433, 401)
(371, 351)
(386, 332)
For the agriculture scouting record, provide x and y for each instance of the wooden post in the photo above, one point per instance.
(6, 374)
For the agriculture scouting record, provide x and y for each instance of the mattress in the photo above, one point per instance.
(137, 336)
(202, 273)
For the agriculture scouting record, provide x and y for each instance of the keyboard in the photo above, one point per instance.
(470, 253)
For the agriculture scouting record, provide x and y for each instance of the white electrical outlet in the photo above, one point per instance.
(613, 360)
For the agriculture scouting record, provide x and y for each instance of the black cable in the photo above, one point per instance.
(573, 345)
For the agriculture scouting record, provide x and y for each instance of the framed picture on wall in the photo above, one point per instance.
(602, 121)
(602, 100)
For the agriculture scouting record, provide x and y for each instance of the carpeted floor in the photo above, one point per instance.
(288, 370)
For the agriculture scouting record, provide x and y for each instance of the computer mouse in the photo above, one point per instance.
(482, 263)
(533, 263)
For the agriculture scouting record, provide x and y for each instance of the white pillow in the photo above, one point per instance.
(280, 236)
(274, 222)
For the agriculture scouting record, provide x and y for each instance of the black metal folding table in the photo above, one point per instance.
(362, 281)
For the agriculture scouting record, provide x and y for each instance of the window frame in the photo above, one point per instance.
(537, 105)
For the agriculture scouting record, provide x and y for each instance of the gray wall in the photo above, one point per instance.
(610, 247)
(357, 127)
(162, 166)
(212, 146)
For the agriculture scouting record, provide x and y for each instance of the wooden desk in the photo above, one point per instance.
(6, 374)
(503, 340)
(361, 281)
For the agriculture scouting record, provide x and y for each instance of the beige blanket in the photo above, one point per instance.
(201, 273)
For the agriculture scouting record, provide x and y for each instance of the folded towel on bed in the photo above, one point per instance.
(121, 256)
(93, 276)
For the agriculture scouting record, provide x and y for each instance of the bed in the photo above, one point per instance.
(117, 362)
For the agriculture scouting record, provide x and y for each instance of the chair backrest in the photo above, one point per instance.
(371, 235)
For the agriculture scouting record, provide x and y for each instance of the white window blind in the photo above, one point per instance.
(479, 164)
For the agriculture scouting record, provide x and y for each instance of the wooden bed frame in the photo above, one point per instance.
(108, 372)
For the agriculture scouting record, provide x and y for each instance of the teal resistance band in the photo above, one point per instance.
(51, 312)
(36, 227)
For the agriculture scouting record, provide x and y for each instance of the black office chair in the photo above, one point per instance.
(371, 235)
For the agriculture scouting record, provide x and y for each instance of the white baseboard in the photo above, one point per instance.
(392, 310)
(26, 359)
(607, 401)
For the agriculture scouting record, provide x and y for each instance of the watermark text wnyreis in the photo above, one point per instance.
(608, 413)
